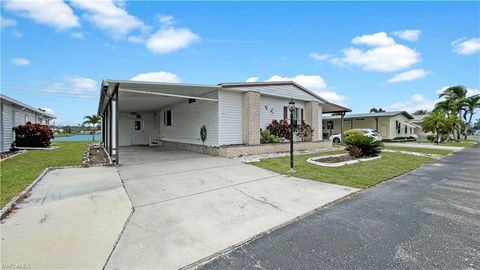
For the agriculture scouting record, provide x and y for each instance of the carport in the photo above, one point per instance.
(146, 113)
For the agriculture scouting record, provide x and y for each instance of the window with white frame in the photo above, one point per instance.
(167, 117)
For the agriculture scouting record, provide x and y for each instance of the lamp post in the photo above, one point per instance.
(291, 108)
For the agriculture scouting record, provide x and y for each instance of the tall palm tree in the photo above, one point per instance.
(420, 112)
(375, 110)
(455, 96)
(471, 104)
(435, 122)
(92, 120)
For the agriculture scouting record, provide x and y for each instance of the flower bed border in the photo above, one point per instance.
(312, 160)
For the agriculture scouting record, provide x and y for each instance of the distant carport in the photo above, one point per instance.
(117, 96)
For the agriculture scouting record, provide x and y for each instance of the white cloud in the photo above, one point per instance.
(170, 39)
(5, 23)
(165, 20)
(416, 102)
(320, 57)
(385, 56)
(55, 13)
(408, 75)
(109, 16)
(252, 79)
(76, 85)
(17, 34)
(49, 111)
(382, 59)
(375, 40)
(466, 46)
(20, 62)
(77, 35)
(160, 76)
(408, 34)
(314, 83)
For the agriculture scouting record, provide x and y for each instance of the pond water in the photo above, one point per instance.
(77, 138)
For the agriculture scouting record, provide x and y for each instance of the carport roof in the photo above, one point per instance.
(193, 91)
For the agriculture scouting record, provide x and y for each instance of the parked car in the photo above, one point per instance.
(366, 131)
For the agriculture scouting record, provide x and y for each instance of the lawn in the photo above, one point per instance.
(359, 175)
(461, 143)
(19, 171)
(420, 150)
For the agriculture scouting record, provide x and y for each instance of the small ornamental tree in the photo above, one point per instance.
(304, 131)
(33, 135)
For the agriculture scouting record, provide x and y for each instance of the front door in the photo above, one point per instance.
(137, 132)
(384, 131)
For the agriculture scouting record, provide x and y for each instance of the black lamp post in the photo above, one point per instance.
(291, 108)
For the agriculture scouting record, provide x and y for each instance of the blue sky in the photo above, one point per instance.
(359, 54)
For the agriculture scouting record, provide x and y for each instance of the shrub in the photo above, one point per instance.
(355, 151)
(280, 129)
(430, 138)
(267, 137)
(352, 132)
(304, 130)
(368, 146)
(33, 135)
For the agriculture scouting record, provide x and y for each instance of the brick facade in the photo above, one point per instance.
(251, 118)
(311, 118)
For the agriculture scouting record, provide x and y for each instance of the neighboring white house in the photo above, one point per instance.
(15, 113)
(232, 114)
(390, 125)
(418, 120)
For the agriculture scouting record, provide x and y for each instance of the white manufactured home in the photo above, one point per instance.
(390, 125)
(15, 113)
(223, 119)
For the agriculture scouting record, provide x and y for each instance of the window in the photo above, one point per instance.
(406, 129)
(329, 124)
(137, 125)
(285, 113)
(167, 117)
(398, 126)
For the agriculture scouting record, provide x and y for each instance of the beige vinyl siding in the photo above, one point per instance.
(271, 108)
(188, 118)
(230, 117)
(282, 91)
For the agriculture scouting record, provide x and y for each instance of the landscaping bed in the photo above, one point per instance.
(339, 160)
(96, 155)
(358, 175)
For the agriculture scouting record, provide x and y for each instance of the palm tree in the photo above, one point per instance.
(434, 122)
(455, 97)
(454, 92)
(420, 112)
(92, 120)
(471, 104)
(375, 110)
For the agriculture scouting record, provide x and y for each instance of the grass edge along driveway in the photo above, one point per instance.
(19, 171)
(358, 175)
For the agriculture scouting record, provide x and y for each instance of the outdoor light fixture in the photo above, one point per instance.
(291, 108)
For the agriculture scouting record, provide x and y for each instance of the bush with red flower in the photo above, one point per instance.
(33, 135)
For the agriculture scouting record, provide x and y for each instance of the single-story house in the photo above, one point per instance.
(15, 113)
(418, 120)
(390, 125)
(223, 119)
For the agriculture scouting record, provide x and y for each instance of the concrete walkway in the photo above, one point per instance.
(190, 206)
(426, 146)
(71, 220)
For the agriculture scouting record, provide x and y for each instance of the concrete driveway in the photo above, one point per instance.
(190, 206)
(71, 220)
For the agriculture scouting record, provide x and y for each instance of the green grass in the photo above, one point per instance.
(19, 171)
(420, 150)
(461, 143)
(358, 175)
